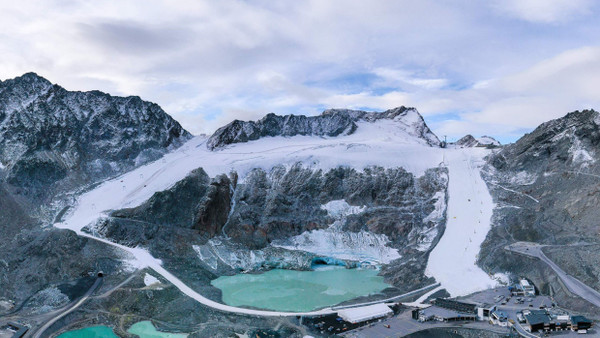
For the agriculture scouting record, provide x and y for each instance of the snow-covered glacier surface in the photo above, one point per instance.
(379, 143)
(221, 251)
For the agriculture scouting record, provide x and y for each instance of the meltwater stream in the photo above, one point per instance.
(290, 290)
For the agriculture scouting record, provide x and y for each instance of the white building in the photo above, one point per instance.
(528, 289)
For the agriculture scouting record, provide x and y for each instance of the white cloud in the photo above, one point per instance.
(402, 78)
(208, 62)
(547, 90)
(544, 11)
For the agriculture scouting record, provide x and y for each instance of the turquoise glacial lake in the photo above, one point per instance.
(143, 329)
(90, 332)
(298, 291)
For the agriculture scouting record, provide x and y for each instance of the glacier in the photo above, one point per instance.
(362, 246)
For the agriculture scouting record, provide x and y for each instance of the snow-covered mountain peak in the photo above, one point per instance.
(28, 79)
(19, 92)
(488, 140)
(468, 141)
(331, 123)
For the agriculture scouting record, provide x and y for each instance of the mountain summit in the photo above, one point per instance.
(331, 123)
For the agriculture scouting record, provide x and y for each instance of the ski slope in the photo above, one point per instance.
(453, 261)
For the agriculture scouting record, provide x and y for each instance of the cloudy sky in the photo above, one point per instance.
(482, 67)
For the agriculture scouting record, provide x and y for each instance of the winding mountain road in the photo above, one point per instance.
(85, 297)
(155, 264)
(573, 284)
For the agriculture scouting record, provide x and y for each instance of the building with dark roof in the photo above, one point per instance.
(537, 320)
(580, 323)
(484, 310)
(18, 329)
(541, 320)
(443, 315)
(456, 305)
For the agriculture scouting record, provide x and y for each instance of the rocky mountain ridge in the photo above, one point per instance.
(54, 143)
(49, 135)
(546, 188)
(331, 123)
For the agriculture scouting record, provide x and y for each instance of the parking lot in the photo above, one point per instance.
(502, 298)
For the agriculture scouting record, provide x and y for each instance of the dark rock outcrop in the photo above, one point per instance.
(286, 202)
(196, 202)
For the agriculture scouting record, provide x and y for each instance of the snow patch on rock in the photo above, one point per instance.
(502, 278)
(439, 210)
(523, 178)
(428, 235)
(427, 238)
(341, 208)
(579, 154)
(206, 255)
(150, 280)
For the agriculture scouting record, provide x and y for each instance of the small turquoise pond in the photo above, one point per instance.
(145, 329)
(90, 332)
(298, 291)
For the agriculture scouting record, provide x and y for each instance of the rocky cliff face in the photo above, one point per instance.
(546, 188)
(292, 209)
(332, 122)
(282, 203)
(51, 138)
